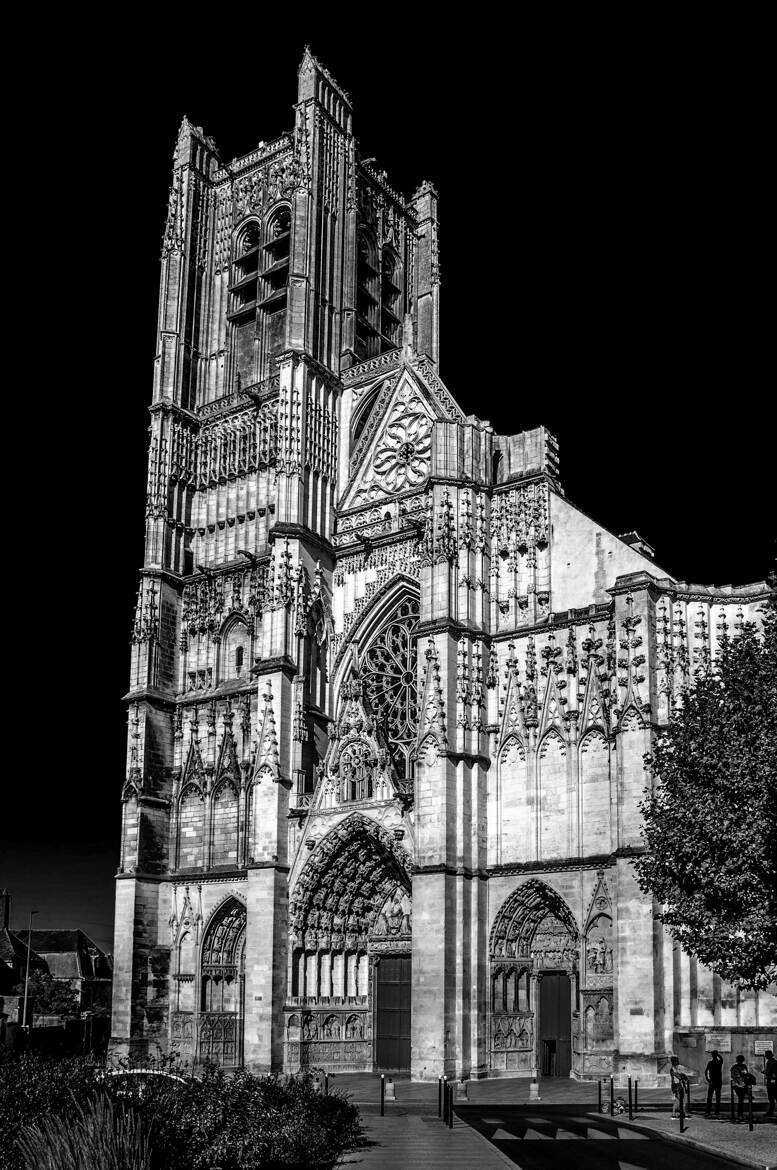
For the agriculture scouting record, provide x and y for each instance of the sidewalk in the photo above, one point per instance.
(402, 1139)
(721, 1137)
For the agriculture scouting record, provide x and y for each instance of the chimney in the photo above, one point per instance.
(5, 909)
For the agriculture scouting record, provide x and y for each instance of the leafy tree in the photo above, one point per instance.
(711, 820)
(49, 996)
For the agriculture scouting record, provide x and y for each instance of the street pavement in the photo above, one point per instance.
(497, 1127)
(532, 1139)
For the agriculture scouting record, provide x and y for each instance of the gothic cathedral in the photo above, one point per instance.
(390, 690)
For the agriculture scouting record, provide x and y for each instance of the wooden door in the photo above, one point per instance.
(392, 1013)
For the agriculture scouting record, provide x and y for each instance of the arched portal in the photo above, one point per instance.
(533, 955)
(221, 1007)
(350, 914)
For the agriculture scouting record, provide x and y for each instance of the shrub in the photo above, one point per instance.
(243, 1122)
(32, 1087)
(233, 1122)
(95, 1136)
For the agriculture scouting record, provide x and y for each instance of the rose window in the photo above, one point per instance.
(402, 458)
(389, 677)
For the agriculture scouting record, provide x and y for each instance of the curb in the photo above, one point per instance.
(700, 1147)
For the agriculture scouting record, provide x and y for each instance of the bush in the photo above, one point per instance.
(243, 1122)
(96, 1136)
(32, 1087)
(235, 1122)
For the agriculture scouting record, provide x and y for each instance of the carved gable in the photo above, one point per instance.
(394, 453)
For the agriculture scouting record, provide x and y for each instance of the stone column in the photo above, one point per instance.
(265, 967)
(637, 999)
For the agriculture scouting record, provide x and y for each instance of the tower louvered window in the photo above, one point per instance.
(390, 302)
(367, 299)
(258, 296)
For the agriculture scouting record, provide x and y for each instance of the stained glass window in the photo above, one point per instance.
(389, 677)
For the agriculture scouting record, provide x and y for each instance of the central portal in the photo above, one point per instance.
(392, 1013)
(555, 1025)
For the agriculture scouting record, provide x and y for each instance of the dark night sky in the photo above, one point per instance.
(603, 249)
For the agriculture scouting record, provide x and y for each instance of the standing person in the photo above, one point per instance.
(739, 1083)
(713, 1075)
(678, 1080)
(770, 1075)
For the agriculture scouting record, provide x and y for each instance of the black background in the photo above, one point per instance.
(604, 246)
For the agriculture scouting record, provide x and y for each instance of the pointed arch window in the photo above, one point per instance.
(236, 644)
(258, 293)
(389, 673)
(367, 297)
(222, 987)
(275, 284)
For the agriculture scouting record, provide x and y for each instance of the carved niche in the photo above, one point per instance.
(598, 952)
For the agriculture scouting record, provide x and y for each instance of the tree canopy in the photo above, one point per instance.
(710, 821)
(49, 996)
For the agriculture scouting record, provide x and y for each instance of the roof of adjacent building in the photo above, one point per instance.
(12, 949)
(70, 954)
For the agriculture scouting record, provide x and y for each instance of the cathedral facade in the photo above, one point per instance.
(390, 690)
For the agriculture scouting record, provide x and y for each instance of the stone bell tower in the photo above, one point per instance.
(279, 271)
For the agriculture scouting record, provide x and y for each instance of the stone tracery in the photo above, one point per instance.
(389, 675)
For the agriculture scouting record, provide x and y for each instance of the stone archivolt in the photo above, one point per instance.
(520, 917)
(351, 903)
(340, 893)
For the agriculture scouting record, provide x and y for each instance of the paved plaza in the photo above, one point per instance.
(497, 1126)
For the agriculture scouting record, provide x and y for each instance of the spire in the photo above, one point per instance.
(431, 730)
(267, 754)
(513, 722)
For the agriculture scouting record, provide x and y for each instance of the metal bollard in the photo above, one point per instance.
(750, 1106)
(326, 1084)
(450, 1107)
(439, 1096)
(599, 1087)
(445, 1100)
(631, 1107)
(612, 1096)
(382, 1095)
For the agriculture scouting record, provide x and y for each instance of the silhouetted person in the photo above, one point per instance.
(713, 1075)
(770, 1074)
(678, 1080)
(739, 1082)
